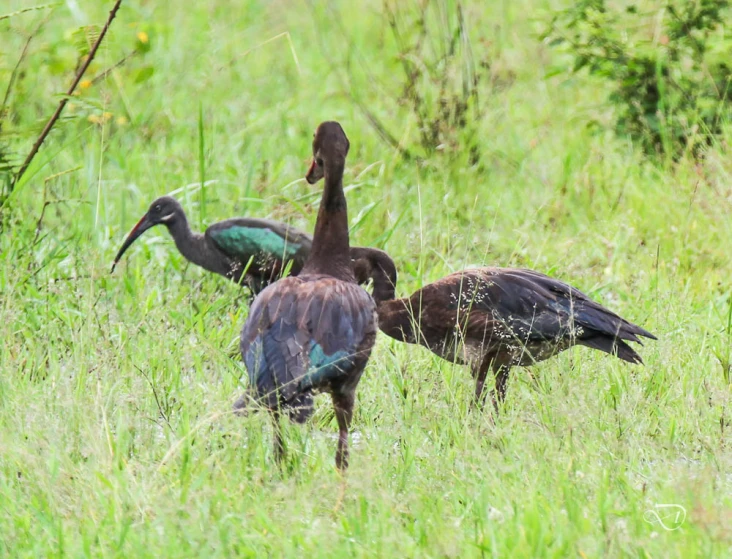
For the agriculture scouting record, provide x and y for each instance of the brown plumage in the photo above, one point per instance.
(496, 318)
(314, 332)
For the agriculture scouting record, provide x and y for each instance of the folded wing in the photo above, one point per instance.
(302, 335)
(497, 303)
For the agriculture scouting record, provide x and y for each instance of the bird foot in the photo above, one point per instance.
(244, 404)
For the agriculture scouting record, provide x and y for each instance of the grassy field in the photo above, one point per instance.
(115, 390)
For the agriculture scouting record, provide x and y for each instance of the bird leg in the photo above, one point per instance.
(480, 375)
(501, 375)
(244, 404)
(279, 443)
(343, 405)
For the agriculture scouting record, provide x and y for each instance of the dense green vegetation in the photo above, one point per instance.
(116, 437)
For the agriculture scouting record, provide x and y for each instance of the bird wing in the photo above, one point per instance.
(304, 332)
(243, 238)
(531, 306)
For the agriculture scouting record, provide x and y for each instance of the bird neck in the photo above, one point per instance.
(374, 264)
(396, 319)
(330, 252)
(191, 245)
(383, 289)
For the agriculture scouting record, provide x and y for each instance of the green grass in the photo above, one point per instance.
(115, 390)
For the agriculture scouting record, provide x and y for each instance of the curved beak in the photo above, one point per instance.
(143, 225)
(315, 173)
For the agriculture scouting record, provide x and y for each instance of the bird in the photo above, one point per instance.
(251, 252)
(494, 319)
(313, 332)
(376, 266)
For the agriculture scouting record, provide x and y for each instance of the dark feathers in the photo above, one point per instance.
(304, 334)
(262, 240)
(498, 318)
(514, 307)
(259, 249)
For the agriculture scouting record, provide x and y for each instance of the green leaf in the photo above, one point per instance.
(84, 37)
(144, 74)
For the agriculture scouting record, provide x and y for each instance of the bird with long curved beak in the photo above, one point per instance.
(250, 251)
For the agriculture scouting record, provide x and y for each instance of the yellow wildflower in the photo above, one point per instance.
(100, 119)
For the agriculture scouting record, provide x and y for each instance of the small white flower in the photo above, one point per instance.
(494, 514)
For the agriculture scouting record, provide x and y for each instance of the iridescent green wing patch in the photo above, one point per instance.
(324, 367)
(244, 242)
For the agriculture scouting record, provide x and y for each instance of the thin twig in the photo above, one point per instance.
(47, 202)
(31, 9)
(14, 74)
(162, 412)
(38, 224)
(65, 99)
(381, 130)
(285, 34)
(114, 66)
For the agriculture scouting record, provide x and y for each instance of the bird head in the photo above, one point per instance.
(330, 147)
(164, 210)
(376, 265)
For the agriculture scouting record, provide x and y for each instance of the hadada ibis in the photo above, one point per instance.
(495, 318)
(249, 251)
(314, 332)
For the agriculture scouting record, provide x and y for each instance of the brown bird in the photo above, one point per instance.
(495, 318)
(314, 332)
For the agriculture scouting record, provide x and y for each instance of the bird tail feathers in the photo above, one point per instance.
(614, 346)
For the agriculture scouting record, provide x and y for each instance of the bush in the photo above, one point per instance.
(667, 68)
(436, 80)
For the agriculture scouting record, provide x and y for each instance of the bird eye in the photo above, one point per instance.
(157, 208)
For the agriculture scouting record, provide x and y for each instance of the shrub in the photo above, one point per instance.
(436, 80)
(667, 67)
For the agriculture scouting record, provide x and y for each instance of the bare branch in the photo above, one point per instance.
(14, 74)
(31, 9)
(65, 99)
(114, 66)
